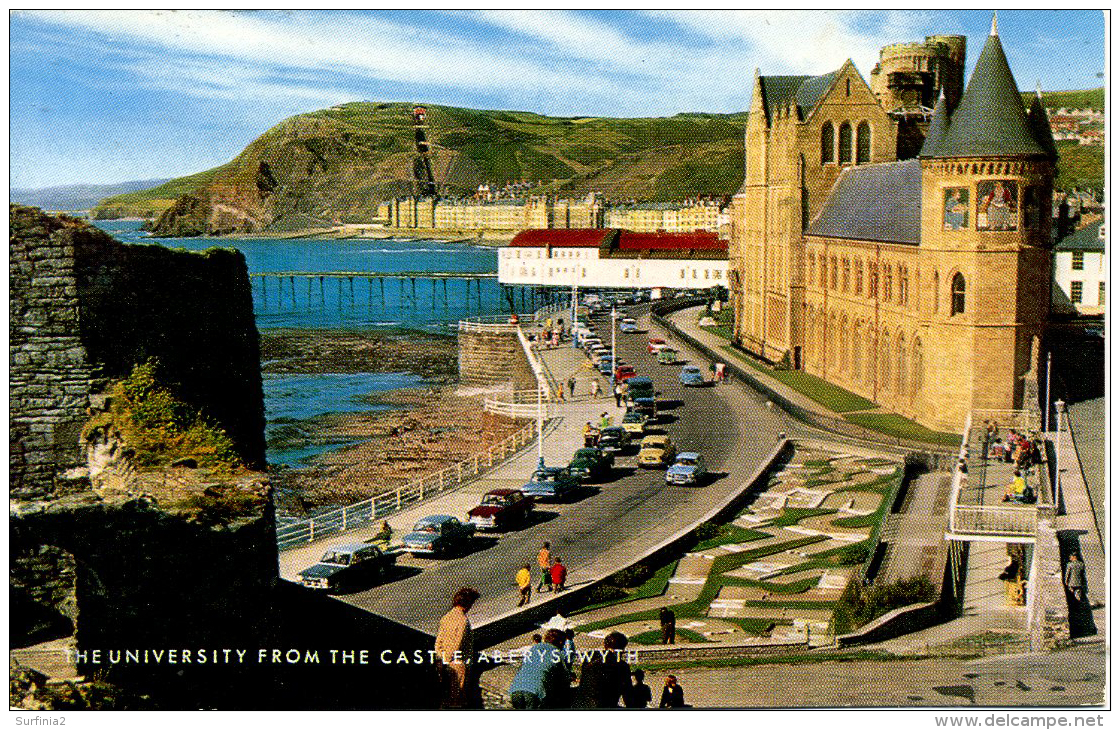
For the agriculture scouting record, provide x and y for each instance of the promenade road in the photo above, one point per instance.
(597, 534)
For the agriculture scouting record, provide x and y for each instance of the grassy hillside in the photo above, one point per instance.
(1081, 99)
(151, 202)
(338, 163)
(1079, 166)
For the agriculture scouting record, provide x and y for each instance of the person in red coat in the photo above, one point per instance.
(559, 575)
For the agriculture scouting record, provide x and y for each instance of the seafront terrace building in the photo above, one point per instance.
(613, 258)
(1081, 272)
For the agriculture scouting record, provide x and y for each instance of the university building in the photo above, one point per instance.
(890, 237)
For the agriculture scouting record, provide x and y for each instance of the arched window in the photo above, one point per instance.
(847, 87)
(887, 283)
(936, 292)
(847, 274)
(804, 197)
(958, 288)
(859, 276)
(835, 273)
(918, 380)
(828, 144)
(823, 272)
(857, 349)
(845, 143)
(900, 386)
(863, 143)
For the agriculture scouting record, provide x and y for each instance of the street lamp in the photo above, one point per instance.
(614, 330)
(1059, 406)
(575, 300)
(540, 426)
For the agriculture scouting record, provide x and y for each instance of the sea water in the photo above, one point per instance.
(361, 304)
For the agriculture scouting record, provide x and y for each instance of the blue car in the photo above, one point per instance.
(688, 469)
(551, 482)
(608, 364)
(438, 535)
(692, 376)
(627, 325)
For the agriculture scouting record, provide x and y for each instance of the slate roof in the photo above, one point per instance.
(1085, 239)
(990, 119)
(806, 91)
(1040, 125)
(880, 202)
(938, 128)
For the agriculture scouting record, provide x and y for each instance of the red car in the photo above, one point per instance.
(500, 509)
(655, 344)
(623, 373)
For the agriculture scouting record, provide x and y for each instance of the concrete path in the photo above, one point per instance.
(916, 535)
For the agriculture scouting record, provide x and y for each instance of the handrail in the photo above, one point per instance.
(382, 505)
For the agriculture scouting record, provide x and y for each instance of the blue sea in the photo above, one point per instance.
(292, 399)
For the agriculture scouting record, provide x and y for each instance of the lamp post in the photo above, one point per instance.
(1059, 406)
(575, 300)
(614, 330)
(1046, 418)
(540, 425)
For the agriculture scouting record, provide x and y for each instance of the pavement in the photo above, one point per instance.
(607, 528)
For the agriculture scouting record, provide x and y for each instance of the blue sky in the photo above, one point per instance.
(107, 96)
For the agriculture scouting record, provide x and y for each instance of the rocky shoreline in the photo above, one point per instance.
(417, 431)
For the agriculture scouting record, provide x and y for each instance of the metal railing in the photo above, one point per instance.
(994, 520)
(380, 506)
(498, 323)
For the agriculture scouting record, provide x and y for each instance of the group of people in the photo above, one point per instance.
(1018, 448)
(548, 671)
(592, 431)
(553, 575)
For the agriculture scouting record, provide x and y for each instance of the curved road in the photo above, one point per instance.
(605, 531)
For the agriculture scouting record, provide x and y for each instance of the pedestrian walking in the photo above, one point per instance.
(668, 625)
(543, 680)
(524, 585)
(1075, 580)
(673, 694)
(559, 574)
(595, 388)
(638, 694)
(721, 372)
(618, 395)
(604, 421)
(544, 562)
(454, 648)
(572, 386)
(560, 392)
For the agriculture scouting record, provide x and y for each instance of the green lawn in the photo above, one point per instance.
(832, 397)
(893, 424)
(655, 586)
(729, 535)
(653, 638)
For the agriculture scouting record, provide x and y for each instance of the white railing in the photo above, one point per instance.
(487, 324)
(382, 505)
(516, 410)
(544, 382)
(994, 520)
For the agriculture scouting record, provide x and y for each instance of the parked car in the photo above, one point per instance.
(657, 451)
(624, 372)
(668, 356)
(501, 508)
(551, 482)
(614, 439)
(628, 325)
(609, 363)
(437, 535)
(692, 376)
(655, 344)
(591, 464)
(689, 468)
(635, 422)
(641, 394)
(347, 565)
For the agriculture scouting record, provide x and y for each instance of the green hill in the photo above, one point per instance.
(1080, 99)
(339, 163)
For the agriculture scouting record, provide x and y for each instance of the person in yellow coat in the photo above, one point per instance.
(524, 585)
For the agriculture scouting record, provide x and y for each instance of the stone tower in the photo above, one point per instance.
(987, 178)
(908, 78)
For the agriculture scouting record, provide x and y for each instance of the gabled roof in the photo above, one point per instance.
(1084, 239)
(990, 119)
(880, 202)
(806, 91)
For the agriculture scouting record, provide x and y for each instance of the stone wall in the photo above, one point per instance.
(85, 308)
(491, 355)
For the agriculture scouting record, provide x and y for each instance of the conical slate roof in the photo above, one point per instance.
(990, 120)
(938, 128)
(1040, 124)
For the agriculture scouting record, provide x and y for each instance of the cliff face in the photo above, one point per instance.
(339, 163)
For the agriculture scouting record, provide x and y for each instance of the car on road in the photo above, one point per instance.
(590, 343)
(689, 468)
(347, 565)
(591, 464)
(692, 376)
(668, 356)
(501, 509)
(438, 535)
(655, 344)
(628, 325)
(640, 392)
(657, 450)
(624, 372)
(614, 439)
(609, 363)
(550, 482)
(635, 422)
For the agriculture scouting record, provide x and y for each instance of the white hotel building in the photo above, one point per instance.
(1081, 272)
(613, 258)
